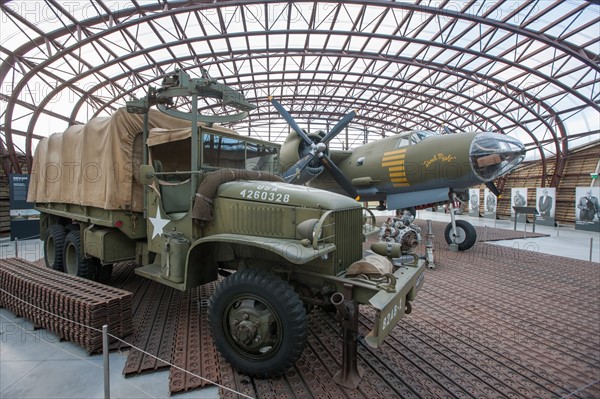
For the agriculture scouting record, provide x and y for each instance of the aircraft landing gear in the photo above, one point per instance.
(459, 234)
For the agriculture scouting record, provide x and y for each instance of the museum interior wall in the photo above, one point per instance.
(580, 163)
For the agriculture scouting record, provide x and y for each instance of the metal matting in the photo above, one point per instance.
(74, 308)
(489, 322)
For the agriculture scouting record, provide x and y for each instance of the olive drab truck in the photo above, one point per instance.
(191, 201)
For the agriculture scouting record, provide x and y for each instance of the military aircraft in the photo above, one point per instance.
(402, 171)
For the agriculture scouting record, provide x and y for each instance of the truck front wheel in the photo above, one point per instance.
(258, 323)
(53, 247)
(75, 263)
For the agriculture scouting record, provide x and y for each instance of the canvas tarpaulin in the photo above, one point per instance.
(95, 164)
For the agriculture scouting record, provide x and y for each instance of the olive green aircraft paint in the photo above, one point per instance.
(424, 164)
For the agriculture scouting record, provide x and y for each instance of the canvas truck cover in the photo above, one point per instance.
(95, 164)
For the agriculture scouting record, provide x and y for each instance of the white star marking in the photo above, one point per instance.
(158, 223)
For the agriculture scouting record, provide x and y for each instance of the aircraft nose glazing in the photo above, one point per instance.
(492, 155)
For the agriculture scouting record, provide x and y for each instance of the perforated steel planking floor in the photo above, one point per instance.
(490, 322)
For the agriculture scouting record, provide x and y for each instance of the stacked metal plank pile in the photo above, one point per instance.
(73, 308)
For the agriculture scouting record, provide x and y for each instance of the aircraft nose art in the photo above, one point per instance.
(493, 155)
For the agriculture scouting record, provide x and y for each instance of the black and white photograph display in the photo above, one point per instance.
(474, 202)
(489, 204)
(587, 208)
(518, 197)
(546, 200)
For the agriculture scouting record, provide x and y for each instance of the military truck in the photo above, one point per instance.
(192, 202)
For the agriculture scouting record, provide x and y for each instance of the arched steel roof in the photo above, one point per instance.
(530, 69)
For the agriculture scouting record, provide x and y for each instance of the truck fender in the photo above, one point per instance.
(291, 250)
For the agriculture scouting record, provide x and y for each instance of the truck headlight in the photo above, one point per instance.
(307, 229)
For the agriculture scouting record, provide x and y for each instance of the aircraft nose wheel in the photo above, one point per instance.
(464, 236)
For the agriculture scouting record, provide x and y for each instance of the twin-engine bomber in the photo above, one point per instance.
(190, 201)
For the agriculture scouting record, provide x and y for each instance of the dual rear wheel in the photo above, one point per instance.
(63, 252)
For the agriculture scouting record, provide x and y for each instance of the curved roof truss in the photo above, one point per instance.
(528, 69)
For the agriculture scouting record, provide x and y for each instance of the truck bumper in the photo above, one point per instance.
(391, 306)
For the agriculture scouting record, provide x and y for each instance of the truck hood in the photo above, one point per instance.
(285, 194)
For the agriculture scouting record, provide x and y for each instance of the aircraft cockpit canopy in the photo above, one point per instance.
(421, 135)
(410, 138)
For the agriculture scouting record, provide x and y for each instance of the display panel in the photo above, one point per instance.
(587, 208)
(518, 197)
(474, 202)
(546, 205)
(490, 203)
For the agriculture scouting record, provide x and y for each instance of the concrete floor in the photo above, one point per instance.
(562, 241)
(35, 364)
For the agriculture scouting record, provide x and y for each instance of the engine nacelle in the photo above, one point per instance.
(295, 148)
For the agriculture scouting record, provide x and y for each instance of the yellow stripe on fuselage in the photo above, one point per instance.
(399, 162)
(394, 161)
(397, 169)
(392, 157)
(400, 151)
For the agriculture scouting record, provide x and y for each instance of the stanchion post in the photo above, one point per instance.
(591, 247)
(106, 362)
(16, 247)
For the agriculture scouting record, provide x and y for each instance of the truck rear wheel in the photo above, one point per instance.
(258, 323)
(75, 263)
(53, 247)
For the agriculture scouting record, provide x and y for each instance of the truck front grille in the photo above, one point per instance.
(348, 238)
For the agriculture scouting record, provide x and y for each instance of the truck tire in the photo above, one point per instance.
(74, 263)
(466, 235)
(258, 323)
(53, 247)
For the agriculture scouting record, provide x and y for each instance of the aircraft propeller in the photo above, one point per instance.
(317, 151)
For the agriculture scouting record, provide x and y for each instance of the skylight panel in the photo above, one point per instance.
(317, 40)
(411, 50)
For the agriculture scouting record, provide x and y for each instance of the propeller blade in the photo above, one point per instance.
(338, 127)
(295, 171)
(339, 177)
(493, 188)
(288, 118)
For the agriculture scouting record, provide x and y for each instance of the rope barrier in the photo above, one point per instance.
(130, 345)
(67, 352)
(580, 389)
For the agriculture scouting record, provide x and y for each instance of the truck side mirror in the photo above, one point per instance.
(146, 174)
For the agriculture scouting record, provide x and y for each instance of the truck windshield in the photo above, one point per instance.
(229, 152)
(261, 157)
